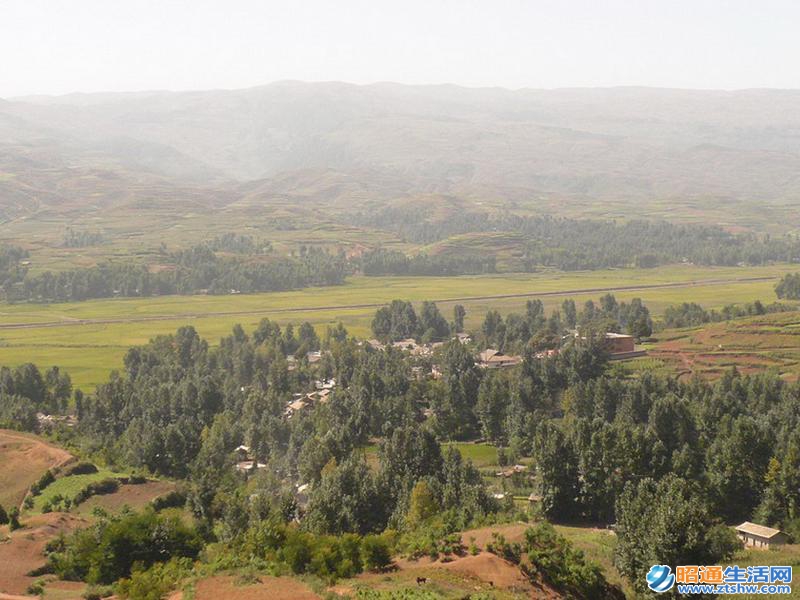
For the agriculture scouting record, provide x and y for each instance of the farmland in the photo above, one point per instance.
(89, 339)
(751, 345)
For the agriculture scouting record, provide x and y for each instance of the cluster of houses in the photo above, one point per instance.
(320, 395)
(311, 357)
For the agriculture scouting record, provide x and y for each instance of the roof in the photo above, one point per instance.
(487, 354)
(611, 334)
(759, 530)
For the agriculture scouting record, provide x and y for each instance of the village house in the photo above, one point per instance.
(621, 346)
(494, 359)
(511, 471)
(375, 344)
(760, 536)
(245, 462)
(617, 343)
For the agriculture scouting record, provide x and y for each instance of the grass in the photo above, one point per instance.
(482, 455)
(598, 545)
(90, 351)
(784, 555)
(67, 487)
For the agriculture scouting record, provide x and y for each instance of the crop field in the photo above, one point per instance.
(751, 345)
(89, 339)
(68, 487)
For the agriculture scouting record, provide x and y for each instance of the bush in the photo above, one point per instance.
(95, 592)
(107, 552)
(375, 553)
(46, 479)
(553, 558)
(173, 499)
(13, 519)
(35, 589)
(81, 468)
(3, 515)
(156, 582)
(723, 542)
(96, 488)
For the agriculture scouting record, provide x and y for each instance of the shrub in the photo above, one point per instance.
(155, 582)
(35, 589)
(107, 552)
(96, 488)
(81, 468)
(723, 542)
(173, 499)
(46, 479)
(13, 519)
(95, 592)
(375, 553)
(553, 557)
(3, 515)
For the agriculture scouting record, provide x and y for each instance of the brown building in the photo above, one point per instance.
(493, 359)
(619, 343)
(760, 536)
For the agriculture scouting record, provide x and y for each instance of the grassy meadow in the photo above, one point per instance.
(90, 350)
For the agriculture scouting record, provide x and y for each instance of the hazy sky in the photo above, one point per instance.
(60, 46)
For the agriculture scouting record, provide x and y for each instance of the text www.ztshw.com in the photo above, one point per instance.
(733, 588)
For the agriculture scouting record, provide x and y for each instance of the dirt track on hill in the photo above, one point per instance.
(73, 322)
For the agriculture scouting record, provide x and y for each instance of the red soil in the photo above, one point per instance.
(23, 459)
(24, 551)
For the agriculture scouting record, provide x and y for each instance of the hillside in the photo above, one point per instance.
(321, 151)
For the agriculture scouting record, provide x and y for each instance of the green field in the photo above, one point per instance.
(481, 455)
(58, 334)
(67, 487)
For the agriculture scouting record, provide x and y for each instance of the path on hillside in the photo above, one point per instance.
(68, 322)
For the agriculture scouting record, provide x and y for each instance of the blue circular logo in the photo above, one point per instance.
(660, 578)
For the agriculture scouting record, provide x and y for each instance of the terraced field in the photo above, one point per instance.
(751, 345)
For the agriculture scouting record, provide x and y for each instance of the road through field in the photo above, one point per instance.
(71, 321)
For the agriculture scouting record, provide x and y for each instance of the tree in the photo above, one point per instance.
(396, 321)
(789, 287)
(493, 395)
(736, 465)
(422, 504)
(346, 500)
(432, 324)
(662, 523)
(570, 313)
(558, 471)
(456, 416)
(458, 318)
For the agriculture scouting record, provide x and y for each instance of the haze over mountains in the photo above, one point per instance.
(343, 144)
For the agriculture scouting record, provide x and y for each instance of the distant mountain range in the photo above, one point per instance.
(343, 145)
